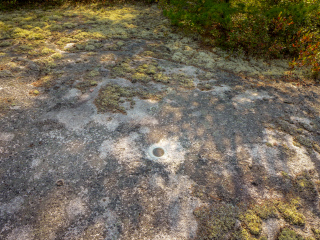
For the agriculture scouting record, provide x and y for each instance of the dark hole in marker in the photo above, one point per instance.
(158, 152)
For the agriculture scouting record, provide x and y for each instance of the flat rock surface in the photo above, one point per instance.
(77, 141)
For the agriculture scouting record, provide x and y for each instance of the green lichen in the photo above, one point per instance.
(288, 234)
(290, 213)
(252, 221)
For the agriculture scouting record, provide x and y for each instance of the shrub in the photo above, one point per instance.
(268, 28)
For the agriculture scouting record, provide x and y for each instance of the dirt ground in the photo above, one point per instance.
(87, 94)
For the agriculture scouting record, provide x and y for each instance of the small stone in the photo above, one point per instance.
(60, 183)
(237, 225)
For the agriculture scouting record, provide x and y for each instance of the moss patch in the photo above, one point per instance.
(305, 186)
(316, 233)
(216, 222)
(139, 72)
(288, 234)
(45, 82)
(112, 96)
(85, 85)
(205, 86)
(266, 210)
(183, 80)
(252, 221)
(290, 213)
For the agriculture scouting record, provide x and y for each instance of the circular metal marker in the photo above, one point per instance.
(158, 152)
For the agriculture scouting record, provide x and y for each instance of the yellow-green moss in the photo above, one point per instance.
(288, 234)
(266, 210)
(46, 51)
(205, 86)
(183, 80)
(25, 48)
(56, 56)
(316, 233)
(160, 77)
(85, 85)
(34, 92)
(252, 221)
(122, 69)
(304, 183)
(69, 25)
(241, 234)
(205, 76)
(111, 96)
(290, 213)
(140, 77)
(45, 82)
(5, 44)
(93, 73)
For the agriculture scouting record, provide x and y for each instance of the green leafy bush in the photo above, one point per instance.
(268, 28)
